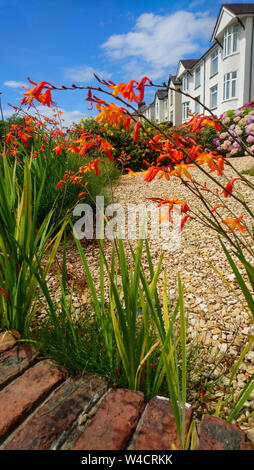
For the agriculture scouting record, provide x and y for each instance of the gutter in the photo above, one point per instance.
(251, 58)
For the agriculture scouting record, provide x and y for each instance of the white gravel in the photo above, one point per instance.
(216, 317)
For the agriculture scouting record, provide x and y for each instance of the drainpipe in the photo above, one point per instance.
(251, 54)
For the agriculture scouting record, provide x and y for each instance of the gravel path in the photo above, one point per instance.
(216, 318)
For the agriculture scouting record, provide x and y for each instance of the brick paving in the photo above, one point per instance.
(41, 408)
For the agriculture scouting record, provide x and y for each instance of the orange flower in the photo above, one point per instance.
(130, 173)
(234, 223)
(35, 93)
(58, 149)
(135, 131)
(216, 207)
(112, 114)
(181, 169)
(105, 146)
(95, 165)
(151, 172)
(196, 122)
(229, 187)
(170, 203)
(126, 90)
(208, 159)
(141, 88)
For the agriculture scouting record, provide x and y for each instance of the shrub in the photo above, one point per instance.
(63, 199)
(240, 123)
(30, 137)
(122, 141)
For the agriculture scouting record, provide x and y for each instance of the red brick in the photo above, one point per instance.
(216, 434)
(15, 361)
(157, 428)
(114, 422)
(58, 414)
(7, 341)
(19, 398)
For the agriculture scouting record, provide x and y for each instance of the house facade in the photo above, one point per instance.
(223, 78)
(161, 106)
(174, 100)
(149, 111)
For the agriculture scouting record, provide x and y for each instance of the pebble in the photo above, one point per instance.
(216, 319)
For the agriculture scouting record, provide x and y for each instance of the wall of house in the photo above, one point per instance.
(239, 61)
(174, 106)
(248, 94)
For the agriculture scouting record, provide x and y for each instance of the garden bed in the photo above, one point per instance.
(217, 322)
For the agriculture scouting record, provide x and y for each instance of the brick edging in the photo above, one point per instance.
(42, 408)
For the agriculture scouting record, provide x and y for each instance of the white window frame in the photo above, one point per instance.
(157, 111)
(197, 105)
(214, 59)
(230, 85)
(185, 109)
(171, 116)
(166, 109)
(213, 92)
(230, 42)
(171, 97)
(186, 82)
(197, 77)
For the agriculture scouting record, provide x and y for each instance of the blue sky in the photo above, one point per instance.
(64, 42)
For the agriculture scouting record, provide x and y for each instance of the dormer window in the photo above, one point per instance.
(230, 40)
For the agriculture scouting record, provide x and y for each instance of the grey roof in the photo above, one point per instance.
(188, 63)
(162, 94)
(239, 8)
(175, 80)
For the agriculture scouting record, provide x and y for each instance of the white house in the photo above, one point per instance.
(223, 78)
(174, 100)
(149, 111)
(161, 105)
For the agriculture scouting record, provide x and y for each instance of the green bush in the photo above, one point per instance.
(5, 125)
(51, 167)
(64, 199)
(206, 138)
(122, 141)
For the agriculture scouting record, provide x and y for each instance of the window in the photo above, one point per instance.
(213, 97)
(185, 110)
(157, 110)
(166, 109)
(171, 97)
(172, 116)
(197, 105)
(214, 63)
(229, 85)
(186, 82)
(230, 40)
(197, 77)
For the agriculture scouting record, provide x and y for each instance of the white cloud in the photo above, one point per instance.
(84, 74)
(68, 116)
(157, 42)
(14, 84)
